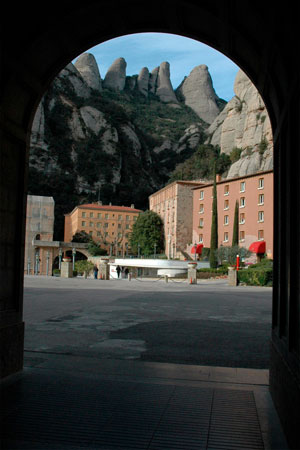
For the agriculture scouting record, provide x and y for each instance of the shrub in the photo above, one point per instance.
(256, 276)
(56, 272)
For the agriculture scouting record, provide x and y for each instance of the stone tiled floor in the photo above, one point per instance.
(67, 402)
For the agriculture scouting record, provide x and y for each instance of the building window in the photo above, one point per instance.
(106, 225)
(201, 195)
(106, 216)
(226, 236)
(99, 215)
(242, 236)
(226, 189)
(242, 202)
(98, 233)
(226, 220)
(261, 216)
(260, 235)
(201, 238)
(83, 214)
(201, 208)
(127, 226)
(119, 217)
(201, 222)
(98, 224)
(260, 183)
(134, 218)
(261, 199)
(83, 223)
(127, 218)
(242, 218)
(91, 214)
(91, 224)
(242, 186)
(226, 204)
(90, 233)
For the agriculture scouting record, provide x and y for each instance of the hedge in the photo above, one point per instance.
(256, 276)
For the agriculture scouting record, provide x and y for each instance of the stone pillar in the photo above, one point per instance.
(104, 268)
(66, 270)
(232, 276)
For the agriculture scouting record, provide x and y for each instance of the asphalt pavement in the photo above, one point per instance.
(209, 323)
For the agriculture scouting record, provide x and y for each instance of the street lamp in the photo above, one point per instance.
(195, 247)
(60, 253)
(169, 246)
(73, 257)
(47, 260)
(139, 248)
(28, 265)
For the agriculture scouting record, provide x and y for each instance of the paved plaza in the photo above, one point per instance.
(121, 365)
(207, 324)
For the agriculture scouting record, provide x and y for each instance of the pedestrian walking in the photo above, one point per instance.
(126, 271)
(95, 272)
(118, 269)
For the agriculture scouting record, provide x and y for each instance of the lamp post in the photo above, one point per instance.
(195, 247)
(60, 253)
(73, 257)
(47, 261)
(139, 249)
(37, 260)
(169, 246)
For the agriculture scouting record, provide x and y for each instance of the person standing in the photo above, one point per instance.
(118, 269)
(95, 272)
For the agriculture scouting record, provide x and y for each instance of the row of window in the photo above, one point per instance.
(105, 216)
(106, 234)
(261, 201)
(261, 218)
(105, 225)
(260, 236)
(242, 187)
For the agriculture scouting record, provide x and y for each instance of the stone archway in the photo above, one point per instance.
(252, 34)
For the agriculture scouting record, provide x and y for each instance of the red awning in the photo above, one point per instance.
(258, 247)
(198, 248)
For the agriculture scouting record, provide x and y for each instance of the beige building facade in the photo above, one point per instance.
(174, 204)
(109, 225)
(39, 227)
(254, 195)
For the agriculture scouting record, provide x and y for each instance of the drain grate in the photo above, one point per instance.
(72, 412)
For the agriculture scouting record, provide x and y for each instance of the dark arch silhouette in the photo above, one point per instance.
(262, 38)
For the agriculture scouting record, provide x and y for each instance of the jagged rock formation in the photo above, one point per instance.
(244, 124)
(115, 77)
(198, 93)
(143, 81)
(88, 69)
(164, 88)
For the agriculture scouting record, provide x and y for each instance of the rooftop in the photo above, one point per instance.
(100, 207)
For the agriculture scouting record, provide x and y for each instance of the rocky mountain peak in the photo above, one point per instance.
(88, 68)
(164, 88)
(198, 93)
(115, 77)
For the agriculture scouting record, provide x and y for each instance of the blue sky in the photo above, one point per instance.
(183, 54)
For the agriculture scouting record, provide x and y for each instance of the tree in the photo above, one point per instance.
(147, 234)
(95, 249)
(235, 233)
(213, 260)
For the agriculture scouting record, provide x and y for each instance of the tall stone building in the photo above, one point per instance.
(174, 204)
(39, 227)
